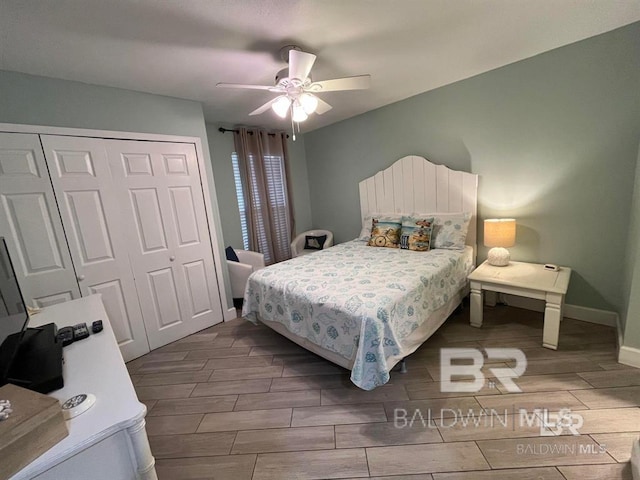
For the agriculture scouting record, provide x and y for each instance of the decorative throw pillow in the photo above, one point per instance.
(314, 243)
(365, 232)
(231, 254)
(450, 230)
(416, 233)
(385, 231)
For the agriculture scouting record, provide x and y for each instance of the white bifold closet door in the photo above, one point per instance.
(168, 235)
(134, 216)
(31, 225)
(91, 213)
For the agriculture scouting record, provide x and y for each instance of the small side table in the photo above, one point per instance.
(526, 280)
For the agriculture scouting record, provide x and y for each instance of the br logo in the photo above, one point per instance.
(504, 375)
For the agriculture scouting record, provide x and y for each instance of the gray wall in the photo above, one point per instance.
(221, 146)
(33, 100)
(631, 314)
(300, 185)
(554, 139)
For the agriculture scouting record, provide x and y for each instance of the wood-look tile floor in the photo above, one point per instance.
(238, 401)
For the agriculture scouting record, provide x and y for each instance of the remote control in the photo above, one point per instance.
(96, 326)
(65, 335)
(80, 331)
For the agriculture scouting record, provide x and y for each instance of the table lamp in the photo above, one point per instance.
(499, 233)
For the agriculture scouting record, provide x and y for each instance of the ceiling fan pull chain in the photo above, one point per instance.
(293, 127)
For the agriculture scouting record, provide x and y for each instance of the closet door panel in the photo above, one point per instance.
(30, 219)
(30, 222)
(92, 216)
(146, 209)
(10, 301)
(184, 214)
(115, 304)
(165, 301)
(47, 300)
(198, 287)
(89, 226)
(171, 251)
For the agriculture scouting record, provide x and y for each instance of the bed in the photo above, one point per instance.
(366, 308)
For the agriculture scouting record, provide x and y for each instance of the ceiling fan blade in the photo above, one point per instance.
(323, 107)
(264, 107)
(300, 64)
(252, 87)
(359, 82)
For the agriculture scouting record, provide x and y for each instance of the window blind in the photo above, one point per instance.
(241, 204)
(261, 165)
(276, 183)
(276, 207)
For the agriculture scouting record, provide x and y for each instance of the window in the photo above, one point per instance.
(273, 206)
(240, 196)
(278, 208)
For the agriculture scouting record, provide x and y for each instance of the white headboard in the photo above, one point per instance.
(414, 184)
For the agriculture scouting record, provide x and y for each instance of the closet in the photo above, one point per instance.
(123, 218)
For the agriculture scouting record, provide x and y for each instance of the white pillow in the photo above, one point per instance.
(449, 229)
(365, 231)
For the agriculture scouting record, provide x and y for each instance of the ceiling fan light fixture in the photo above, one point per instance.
(281, 106)
(309, 103)
(298, 114)
(296, 89)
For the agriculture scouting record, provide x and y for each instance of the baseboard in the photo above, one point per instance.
(629, 356)
(626, 355)
(585, 314)
(620, 337)
(591, 315)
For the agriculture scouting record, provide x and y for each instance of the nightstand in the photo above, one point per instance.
(526, 280)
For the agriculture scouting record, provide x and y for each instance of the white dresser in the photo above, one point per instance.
(108, 441)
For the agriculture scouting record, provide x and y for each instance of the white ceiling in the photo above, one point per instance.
(182, 48)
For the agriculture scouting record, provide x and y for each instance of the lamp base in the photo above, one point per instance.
(498, 257)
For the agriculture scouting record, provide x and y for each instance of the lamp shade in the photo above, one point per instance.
(500, 232)
(309, 103)
(298, 115)
(281, 106)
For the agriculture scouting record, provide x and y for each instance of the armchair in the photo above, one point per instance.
(239, 271)
(297, 246)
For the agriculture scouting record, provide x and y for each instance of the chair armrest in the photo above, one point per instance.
(238, 275)
(298, 244)
(255, 259)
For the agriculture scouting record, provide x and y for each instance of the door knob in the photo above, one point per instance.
(80, 277)
(172, 258)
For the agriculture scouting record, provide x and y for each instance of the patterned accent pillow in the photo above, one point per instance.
(385, 231)
(314, 243)
(450, 230)
(365, 232)
(416, 233)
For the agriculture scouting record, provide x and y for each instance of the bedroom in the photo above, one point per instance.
(553, 137)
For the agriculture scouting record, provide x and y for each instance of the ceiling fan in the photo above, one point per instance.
(296, 88)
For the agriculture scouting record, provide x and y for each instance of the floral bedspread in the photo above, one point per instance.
(353, 299)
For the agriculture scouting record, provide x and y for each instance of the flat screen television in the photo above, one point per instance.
(13, 312)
